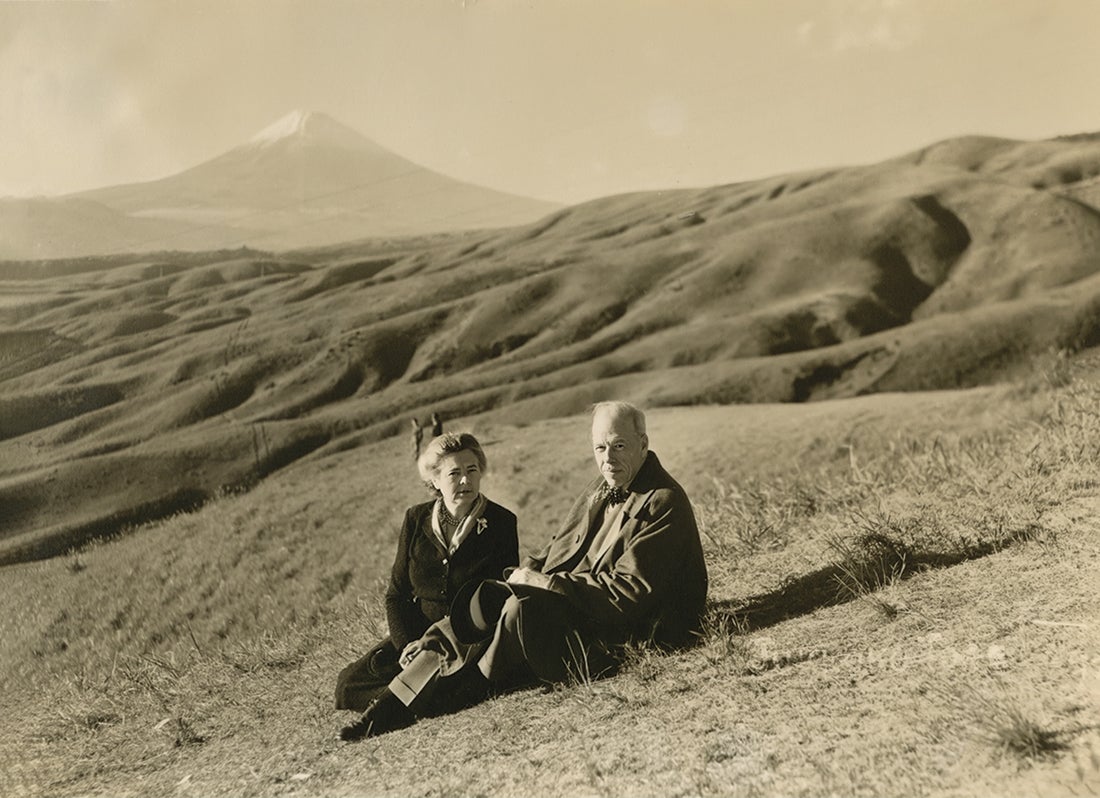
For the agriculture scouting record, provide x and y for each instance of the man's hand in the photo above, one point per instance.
(528, 576)
(409, 652)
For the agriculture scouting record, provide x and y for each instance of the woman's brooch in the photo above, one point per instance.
(482, 524)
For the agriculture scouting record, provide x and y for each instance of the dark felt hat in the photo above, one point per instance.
(476, 609)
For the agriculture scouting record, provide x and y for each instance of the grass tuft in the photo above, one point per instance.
(1014, 731)
(578, 670)
(724, 640)
(1006, 722)
(871, 561)
(186, 734)
(645, 661)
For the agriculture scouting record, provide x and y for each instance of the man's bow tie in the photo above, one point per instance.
(612, 495)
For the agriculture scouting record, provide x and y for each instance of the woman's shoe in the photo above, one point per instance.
(385, 714)
(356, 731)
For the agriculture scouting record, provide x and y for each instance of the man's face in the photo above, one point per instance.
(619, 449)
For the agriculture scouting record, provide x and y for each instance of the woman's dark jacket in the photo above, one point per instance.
(425, 578)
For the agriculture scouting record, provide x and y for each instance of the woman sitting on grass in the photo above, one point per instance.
(458, 537)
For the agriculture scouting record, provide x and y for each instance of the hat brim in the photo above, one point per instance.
(476, 608)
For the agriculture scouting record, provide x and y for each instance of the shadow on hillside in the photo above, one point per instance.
(870, 563)
(69, 537)
(268, 457)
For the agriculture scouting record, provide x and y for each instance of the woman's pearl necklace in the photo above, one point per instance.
(445, 516)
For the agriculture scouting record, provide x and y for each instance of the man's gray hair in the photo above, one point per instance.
(620, 410)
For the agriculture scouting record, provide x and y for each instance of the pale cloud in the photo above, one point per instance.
(71, 119)
(667, 117)
(48, 96)
(862, 25)
(804, 33)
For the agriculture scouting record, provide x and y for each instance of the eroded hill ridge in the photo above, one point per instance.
(136, 386)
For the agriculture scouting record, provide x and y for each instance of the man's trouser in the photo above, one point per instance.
(512, 634)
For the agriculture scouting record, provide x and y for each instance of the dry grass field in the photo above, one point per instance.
(879, 385)
(903, 603)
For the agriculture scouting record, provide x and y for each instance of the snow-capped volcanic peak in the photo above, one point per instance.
(311, 125)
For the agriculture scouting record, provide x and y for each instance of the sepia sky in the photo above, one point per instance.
(557, 99)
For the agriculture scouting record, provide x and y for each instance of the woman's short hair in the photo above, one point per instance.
(443, 445)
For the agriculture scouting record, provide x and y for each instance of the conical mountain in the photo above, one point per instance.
(305, 180)
(304, 159)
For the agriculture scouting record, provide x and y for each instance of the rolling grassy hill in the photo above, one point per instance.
(137, 386)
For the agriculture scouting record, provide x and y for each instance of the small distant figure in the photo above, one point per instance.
(437, 425)
(418, 438)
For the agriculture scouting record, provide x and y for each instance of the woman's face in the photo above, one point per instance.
(459, 480)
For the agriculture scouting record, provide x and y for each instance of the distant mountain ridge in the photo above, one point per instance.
(305, 180)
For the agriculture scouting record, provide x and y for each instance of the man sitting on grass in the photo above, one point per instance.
(625, 565)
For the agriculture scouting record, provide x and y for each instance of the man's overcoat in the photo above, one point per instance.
(650, 582)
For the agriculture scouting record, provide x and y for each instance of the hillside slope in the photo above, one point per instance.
(199, 655)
